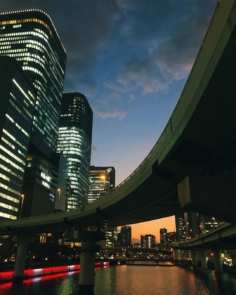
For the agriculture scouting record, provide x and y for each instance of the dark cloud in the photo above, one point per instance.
(82, 26)
(162, 42)
(139, 44)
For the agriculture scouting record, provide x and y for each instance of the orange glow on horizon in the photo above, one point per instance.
(152, 227)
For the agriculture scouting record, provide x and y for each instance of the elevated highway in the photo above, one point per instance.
(222, 238)
(198, 140)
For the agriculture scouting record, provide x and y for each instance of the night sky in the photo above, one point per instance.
(131, 59)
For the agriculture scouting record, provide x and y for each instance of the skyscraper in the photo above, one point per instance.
(180, 227)
(30, 37)
(163, 232)
(74, 141)
(101, 181)
(125, 236)
(18, 99)
(148, 241)
(192, 223)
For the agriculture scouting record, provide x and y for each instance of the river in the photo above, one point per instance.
(132, 280)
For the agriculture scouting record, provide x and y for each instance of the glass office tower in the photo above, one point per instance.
(101, 181)
(30, 37)
(148, 241)
(74, 141)
(18, 99)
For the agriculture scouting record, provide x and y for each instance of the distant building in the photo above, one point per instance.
(111, 236)
(192, 223)
(208, 223)
(171, 237)
(125, 236)
(136, 245)
(74, 142)
(163, 232)
(18, 98)
(180, 227)
(147, 241)
(101, 181)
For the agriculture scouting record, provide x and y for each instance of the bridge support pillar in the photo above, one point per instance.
(194, 257)
(22, 247)
(175, 253)
(87, 261)
(203, 259)
(234, 258)
(178, 253)
(217, 261)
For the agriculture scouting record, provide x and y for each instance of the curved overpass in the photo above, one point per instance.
(198, 139)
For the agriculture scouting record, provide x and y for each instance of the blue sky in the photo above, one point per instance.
(131, 58)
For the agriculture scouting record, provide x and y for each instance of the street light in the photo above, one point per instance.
(59, 195)
(22, 201)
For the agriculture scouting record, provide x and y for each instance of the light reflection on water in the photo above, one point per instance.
(132, 280)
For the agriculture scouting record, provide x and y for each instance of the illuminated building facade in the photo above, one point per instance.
(180, 227)
(31, 38)
(101, 181)
(110, 236)
(147, 241)
(18, 99)
(74, 142)
(45, 186)
(208, 223)
(163, 233)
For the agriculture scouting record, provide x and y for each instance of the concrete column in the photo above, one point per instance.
(203, 259)
(22, 247)
(217, 261)
(194, 257)
(185, 254)
(234, 258)
(86, 276)
(177, 254)
(174, 253)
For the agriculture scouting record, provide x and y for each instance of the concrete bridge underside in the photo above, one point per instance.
(199, 140)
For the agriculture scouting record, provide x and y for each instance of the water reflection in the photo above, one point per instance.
(132, 280)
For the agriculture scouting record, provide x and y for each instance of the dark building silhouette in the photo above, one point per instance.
(192, 223)
(180, 227)
(125, 236)
(74, 142)
(163, 232)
